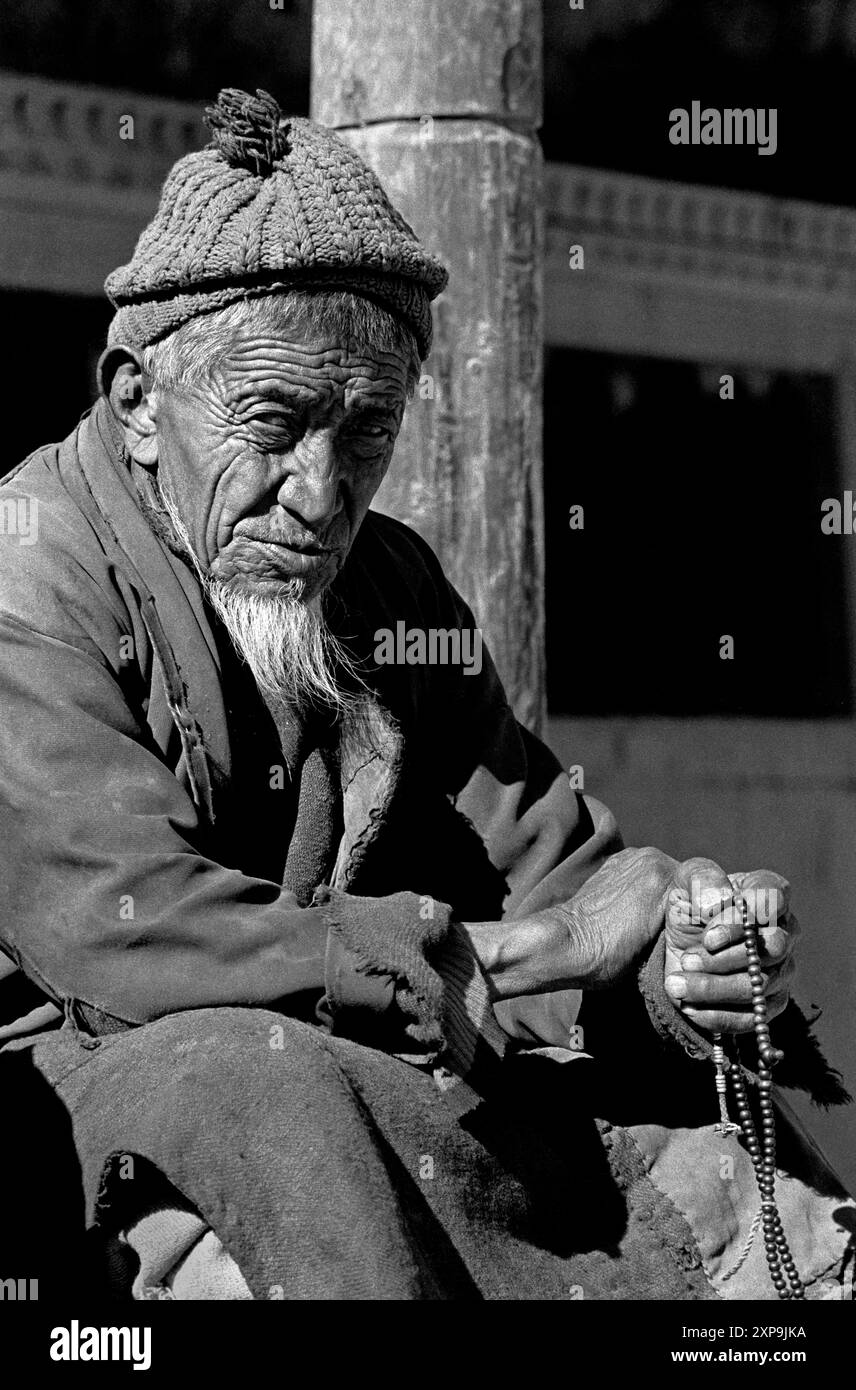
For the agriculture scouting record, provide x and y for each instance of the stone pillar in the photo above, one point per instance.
(443, 100)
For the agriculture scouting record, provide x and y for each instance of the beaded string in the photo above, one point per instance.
(783, 1271)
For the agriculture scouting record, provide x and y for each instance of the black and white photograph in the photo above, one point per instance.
(427, 674)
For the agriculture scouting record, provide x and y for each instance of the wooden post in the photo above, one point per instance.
(444, 100)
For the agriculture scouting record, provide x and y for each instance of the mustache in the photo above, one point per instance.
(271, 531)
(265, 530)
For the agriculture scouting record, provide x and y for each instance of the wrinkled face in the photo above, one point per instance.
(273, 462)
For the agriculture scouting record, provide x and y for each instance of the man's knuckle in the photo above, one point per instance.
(655, 870)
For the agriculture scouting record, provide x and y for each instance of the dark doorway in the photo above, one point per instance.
(701, 521)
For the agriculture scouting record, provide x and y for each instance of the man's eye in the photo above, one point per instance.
(369, 433)
(272, 419)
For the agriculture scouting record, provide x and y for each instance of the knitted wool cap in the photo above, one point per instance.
(271, 203)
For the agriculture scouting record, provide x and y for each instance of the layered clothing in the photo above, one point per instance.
(187, 871)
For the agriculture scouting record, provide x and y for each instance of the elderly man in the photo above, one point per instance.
(358, 998)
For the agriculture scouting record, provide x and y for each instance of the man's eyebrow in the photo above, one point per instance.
(299, 398)
(385, 404)
(289, 395)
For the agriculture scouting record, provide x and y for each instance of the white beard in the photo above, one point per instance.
(284, 639)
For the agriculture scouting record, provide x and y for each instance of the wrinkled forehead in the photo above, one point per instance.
(311, 350)
(308, 363)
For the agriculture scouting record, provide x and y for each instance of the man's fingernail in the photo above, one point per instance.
(675, 986)
(716, 938)
(692, 963)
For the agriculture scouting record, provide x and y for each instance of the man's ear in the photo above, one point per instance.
(121, 381)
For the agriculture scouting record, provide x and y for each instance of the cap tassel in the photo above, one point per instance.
(250, 132)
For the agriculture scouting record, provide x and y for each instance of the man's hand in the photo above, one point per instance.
(706, 974)
(590, 942)
(596, 939)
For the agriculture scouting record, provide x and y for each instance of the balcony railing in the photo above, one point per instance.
(74, 194)
(91, 136)
(639, 226)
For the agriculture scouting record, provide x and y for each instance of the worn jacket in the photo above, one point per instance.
(144, 828)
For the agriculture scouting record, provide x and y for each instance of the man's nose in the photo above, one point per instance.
(311, 490)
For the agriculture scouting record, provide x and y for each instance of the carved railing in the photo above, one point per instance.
(74, 135)
(648, 227)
